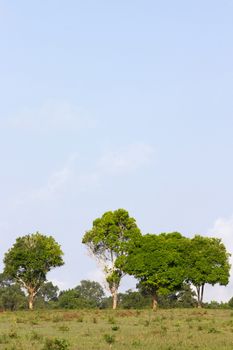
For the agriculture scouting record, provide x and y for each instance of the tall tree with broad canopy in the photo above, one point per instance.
(109, 240)
(30, 259)
(207, 262)
(158, 262)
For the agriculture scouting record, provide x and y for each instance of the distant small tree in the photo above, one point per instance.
(109, 240)
(88, 294)
(133, 300)
(30, 259)
(47, 295)
(186, 296)
(91, 291)
(11, 296)
(70, 299)
(207, 262)
(48, 292)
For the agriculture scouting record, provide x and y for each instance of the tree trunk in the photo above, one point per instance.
(114, 296)
(199, 301)
(202, 292)
(154, 302)
(31, 296)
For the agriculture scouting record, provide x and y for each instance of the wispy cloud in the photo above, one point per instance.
(126, 160)
(57, 182)
(112, 163)
(70, 179)
(52, 115)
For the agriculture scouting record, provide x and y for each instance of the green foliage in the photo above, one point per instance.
(91, 291)
(133, 300)
(70, 299)
(111, 234)
(184, 298)
(109, 240)
(216, 305)
(11, 296)
(56, 344)
(158, 262)
(48, 292)
(47, 296)
(207, 262)
(109, 338)
(89, 294)
(30, 259)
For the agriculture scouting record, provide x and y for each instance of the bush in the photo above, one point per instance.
(56, 344)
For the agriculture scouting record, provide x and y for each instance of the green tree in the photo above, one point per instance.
(186, 296)
(70, 299)
(158, 263)
(48, 292)
(109, 240)
(47, 295)
(89, 294)
(133, 300)
(11, 296)
(207, 262)
(30, 259)
(91, 291)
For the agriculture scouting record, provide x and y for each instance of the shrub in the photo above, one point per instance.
(109, 338)
(56, 344)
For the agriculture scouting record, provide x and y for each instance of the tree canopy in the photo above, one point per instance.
(158, 262)
(91, 291)
(30, 259)
(88, 294)
(109, 240)
(207, 262)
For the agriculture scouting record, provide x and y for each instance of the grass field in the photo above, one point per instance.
(122, 329)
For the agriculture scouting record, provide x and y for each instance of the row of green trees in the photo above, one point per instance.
(162, 263)
(90, 294)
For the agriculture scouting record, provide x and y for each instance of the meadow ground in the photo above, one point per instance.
(120, 329)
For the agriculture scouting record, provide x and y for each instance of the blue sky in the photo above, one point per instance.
(115, 104)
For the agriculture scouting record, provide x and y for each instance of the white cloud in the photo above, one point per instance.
(112, 163)
(70, 179)
(51, 116)
(223, 228)
(60, 284)
(56, 185)
(126, 160)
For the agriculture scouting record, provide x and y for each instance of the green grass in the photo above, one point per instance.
(122, 329)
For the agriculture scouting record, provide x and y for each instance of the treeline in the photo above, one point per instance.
(165, 265)
(90, 295)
